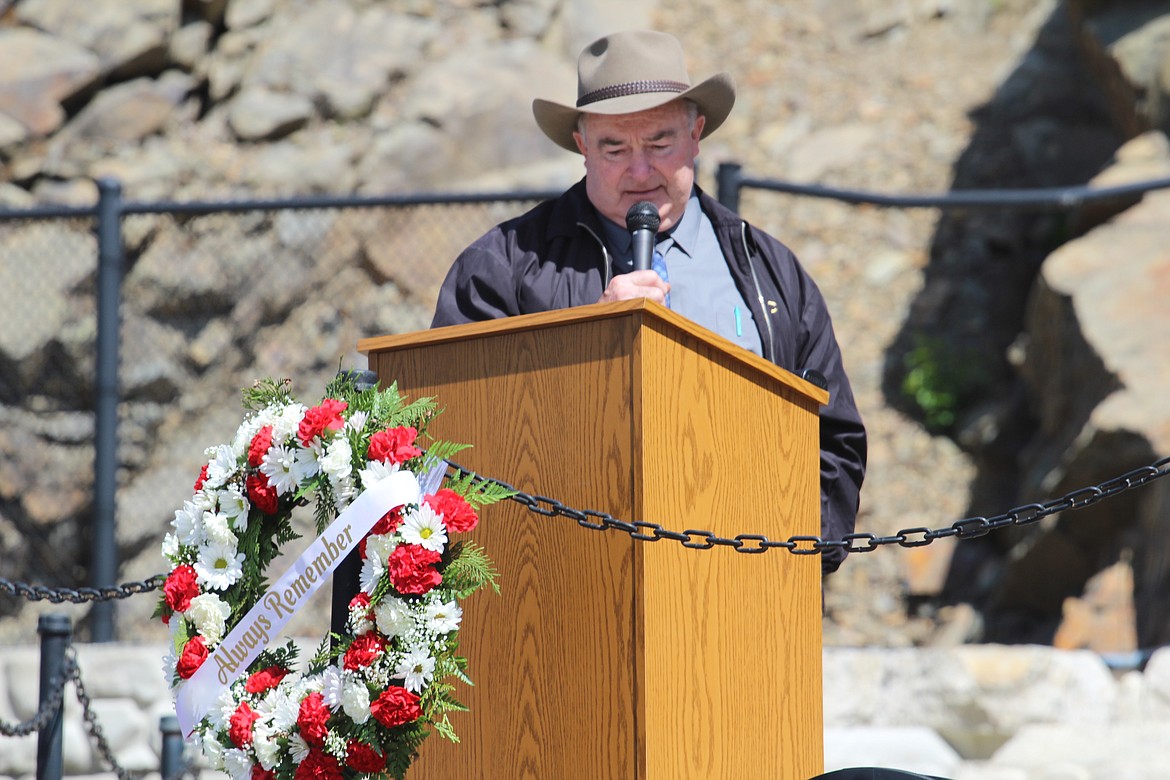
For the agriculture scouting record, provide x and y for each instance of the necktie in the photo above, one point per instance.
(659, 266)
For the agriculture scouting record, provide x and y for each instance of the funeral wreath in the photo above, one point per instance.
(362, 462)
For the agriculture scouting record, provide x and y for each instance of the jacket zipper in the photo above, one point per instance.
(759, 292)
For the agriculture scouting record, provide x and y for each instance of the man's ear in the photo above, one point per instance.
(580, 141)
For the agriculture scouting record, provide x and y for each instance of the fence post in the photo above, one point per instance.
(56, 631)
(104, 560)
(727, 177)
(171, 756)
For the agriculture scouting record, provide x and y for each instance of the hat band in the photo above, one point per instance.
(631, 88)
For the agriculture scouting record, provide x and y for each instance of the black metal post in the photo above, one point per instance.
(727, 177)
(56, 632)
(347, 576)
(171, 756)
(104, 556)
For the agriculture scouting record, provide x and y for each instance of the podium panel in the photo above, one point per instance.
(603, 656)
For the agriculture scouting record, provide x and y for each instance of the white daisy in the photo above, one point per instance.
(287, 421)
(170, 546)
(355, 700)
(217, 531)
(280, 708)
(278, 467)
(219, 566)
(344, 491)
(357, 421)
(424, 528)
(238, 764)
(209, 614)
(416, 668)
(298, 748)
(306, 463)
(188, 524)
(221, 712)
(376, 471)
(372, 571)
(393, 617)
(221, 467)
(235, 505)
(331, 689)
(443, 618)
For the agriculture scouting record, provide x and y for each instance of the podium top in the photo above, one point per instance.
(638, 307)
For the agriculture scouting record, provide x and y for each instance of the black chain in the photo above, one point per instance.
(698, 539)
(81, 595)
(91, 724)
(752, 544)
(49, 707)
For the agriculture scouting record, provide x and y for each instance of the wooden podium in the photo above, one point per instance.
(605, 657)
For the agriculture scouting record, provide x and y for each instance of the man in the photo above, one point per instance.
(637, 122)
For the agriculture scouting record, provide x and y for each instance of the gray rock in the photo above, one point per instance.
(258, 114)
(37, 73)
(190, 44)
(129, 36)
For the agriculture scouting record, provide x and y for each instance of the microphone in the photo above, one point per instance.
(642, 221)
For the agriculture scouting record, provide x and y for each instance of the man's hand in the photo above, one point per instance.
(636, 284)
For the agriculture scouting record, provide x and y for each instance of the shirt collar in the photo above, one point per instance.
(685, 232)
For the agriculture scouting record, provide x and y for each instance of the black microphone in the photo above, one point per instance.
(642, 221)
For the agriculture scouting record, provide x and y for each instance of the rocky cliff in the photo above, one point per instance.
(208, 99)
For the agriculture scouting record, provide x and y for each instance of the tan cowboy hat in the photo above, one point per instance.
(633, 71)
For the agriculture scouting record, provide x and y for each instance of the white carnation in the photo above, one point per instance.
(393, 617)
(355, 700)
(213, 751)
(209, 613)
(381, 546)
(337, 461)
(217, 530)
(264, 742)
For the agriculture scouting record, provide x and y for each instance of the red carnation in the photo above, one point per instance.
(261, 443)
(193, 655)
(321, 418)
(201, 478)
(312, 717)
(262, 494)
(181, 586)
(412, 569)
(364, 758)
(264, 679)
(393, 445)
(388, 523)
(361, 604)
(395, 706)
(318, 765)
(240, 725)
(363, 650)
(457, 514)
(260, 773)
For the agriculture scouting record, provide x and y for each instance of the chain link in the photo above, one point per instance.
(754, 544)
(92, 727)
(48, 709)
(81, 595)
